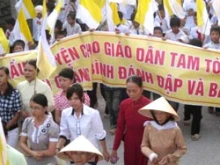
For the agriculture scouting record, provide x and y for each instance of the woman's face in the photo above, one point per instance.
(3, 77)
(161, 116)
(134, 91)
(75, 102)
(64, 83)
(30, 73)
(37, 110)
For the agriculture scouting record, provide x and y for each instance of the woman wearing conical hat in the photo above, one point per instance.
(163, 142)
(80, 151)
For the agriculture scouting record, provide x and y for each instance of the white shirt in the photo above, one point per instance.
(212, 45)
(161, 23)
(139, 31)
(122, 28)
(176, 37)
(193, 33)
(71, 30)
(89, 124)
(37, 25)
(27, 90)
(65, 11)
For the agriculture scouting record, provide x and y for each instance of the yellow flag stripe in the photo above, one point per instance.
(115, 16)
(44, 12)
(143, 7)
(4, 41)
(167, 5)
(30, 8)
(24, 26)
(100, 3)
(93, 9)
(200, 5)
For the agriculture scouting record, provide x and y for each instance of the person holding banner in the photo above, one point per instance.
(39, 134)
(10, 106)
(130, 124)
(31, 86)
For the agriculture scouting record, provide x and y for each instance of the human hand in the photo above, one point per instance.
(37, 155)
(25, 114)
(106, 155)
(114, 157)
(117, 31)
(164, 160)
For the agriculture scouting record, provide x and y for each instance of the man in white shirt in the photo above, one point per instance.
(37, 23)
(120, 28)
(176, 34)
(71, 26)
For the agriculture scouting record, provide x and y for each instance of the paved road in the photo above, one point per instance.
(206, 151)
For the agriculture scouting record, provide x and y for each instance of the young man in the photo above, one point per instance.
(66, 79)
(215, 39)
(10, 106)
(176, 34)
(18, 46)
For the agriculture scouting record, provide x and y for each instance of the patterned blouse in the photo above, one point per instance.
(39, 138)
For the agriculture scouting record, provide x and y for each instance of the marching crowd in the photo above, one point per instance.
(44, 127)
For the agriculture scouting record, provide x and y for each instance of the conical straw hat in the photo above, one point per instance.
(160, 104)
(80, 144)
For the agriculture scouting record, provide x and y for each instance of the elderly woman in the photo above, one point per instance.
(40, 132)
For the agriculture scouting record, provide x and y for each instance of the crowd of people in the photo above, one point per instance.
(42, 125)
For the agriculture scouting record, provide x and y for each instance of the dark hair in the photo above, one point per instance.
(5, 69)
(175, 21)
(4, 128)
(120, 14)
(59, 25)
(18, 42)
(40, 99)
(67, 73)
(195, 42)
(77, 89)
(33, 62)
(135, 79)
(72, 15)
(215, 29)
(50, 6)
(158, 28)
(10, 21)
(63, 32)
(160, 7)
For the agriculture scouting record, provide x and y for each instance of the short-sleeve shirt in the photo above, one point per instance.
(61, 102)
(71, 30)
(10, 103)
(39, 138)
(27, 90)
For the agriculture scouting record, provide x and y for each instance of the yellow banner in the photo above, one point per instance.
(179, 72)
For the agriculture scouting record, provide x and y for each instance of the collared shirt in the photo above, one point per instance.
(27, 90)
(88, 124)
(212, 45)
(71, 30)
(10, 103)
(176, 37)
(61, 102)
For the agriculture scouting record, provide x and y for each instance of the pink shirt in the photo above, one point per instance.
(61, 102)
